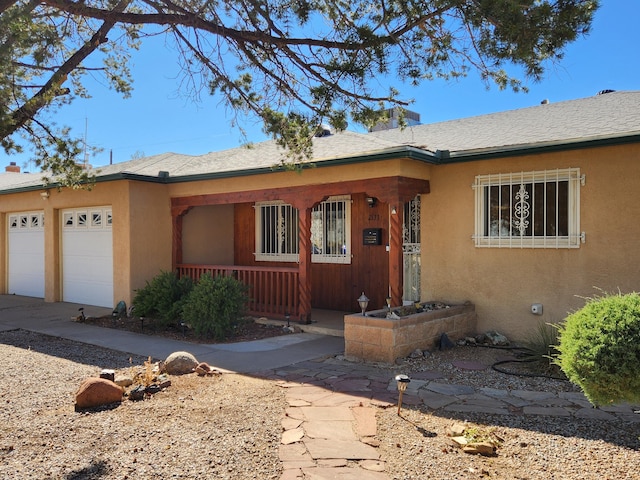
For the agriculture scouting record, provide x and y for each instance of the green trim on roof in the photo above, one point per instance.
(439, 157)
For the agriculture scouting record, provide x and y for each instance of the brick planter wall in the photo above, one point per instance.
(384, 340)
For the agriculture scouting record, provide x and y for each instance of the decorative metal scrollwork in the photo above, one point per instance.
(522, 210)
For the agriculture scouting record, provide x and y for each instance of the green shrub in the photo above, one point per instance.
(215, 305)
(162, 298)
(599, 349)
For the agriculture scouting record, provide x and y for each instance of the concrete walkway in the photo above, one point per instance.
(55, 319)
(330, 419)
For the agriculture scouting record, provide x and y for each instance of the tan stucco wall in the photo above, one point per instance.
(207, 234)
(150, 236)
(141, 220)
(502, 282)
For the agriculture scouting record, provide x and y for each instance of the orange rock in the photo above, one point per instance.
(94, 392)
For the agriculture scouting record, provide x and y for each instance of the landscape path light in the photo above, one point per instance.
(403, 383)
(363, 301)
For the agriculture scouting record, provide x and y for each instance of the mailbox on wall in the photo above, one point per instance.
(372, 236)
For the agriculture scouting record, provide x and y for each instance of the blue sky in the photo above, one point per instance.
(157, 120)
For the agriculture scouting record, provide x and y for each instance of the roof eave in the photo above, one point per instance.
(446, 157)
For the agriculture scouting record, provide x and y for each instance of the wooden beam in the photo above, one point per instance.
(385, 189)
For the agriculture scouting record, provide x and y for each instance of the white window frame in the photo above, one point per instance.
(318, 230)
(523, 211)
(285, 215)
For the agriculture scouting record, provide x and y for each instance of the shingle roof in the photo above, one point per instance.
(257, 156)
(610, 115)
(606, 115)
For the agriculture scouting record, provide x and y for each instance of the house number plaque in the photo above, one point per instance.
(372, 236)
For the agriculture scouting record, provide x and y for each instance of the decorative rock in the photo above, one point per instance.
(445, 342)
(204, 369)
(108, 374)
(180, 363)
(417, 353)
(124, 380)
(163, 381)
(482, 448)
(497, 339)
(95, 392)
(137, 393)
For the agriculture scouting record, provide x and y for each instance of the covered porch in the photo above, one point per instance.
(302, 288)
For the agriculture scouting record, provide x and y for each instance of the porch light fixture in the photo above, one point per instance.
(44, 195)
(403, 383)
(394, 211)
(371, 201)
(363, 301)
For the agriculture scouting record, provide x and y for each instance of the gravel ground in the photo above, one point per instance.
(416, 446)
(229, 426)
(223, 427)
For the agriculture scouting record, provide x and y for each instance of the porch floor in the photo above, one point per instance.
(323, 322)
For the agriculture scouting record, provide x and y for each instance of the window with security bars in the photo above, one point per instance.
(331, 231)
(276, 232)
(529, 209)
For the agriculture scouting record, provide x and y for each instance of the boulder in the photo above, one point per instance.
(180, 363)
(95, 392)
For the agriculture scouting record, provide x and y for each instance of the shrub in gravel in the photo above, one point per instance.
(215, 306)
(599, 348)
(162, 298)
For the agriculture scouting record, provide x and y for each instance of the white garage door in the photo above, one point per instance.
(26, 254)
(87, 256)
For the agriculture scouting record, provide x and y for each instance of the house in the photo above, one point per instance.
(521, 212)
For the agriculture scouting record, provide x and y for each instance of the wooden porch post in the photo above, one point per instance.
(395, 253)
(304, 275)
(177, 215)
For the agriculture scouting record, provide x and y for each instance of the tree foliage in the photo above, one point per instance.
(293, 63)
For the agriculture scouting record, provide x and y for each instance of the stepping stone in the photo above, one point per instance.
(366, 424)
(292, 436)
(427, 375)
(323, 449)
(450, 389)
(310, 393)
(330, 430)
(321, 414)
(356, 385)
(345, 473)
(290, 423)
(435, 400)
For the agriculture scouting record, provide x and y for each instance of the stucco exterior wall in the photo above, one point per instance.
(504, 282)
(207, 235)
(148, 231)
(113, 193)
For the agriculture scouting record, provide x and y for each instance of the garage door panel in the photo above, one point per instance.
(87, 257)
(26, 254)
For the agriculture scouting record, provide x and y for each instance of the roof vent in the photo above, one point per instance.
(324, 130)
(163, 174)
(545, 102)
(602, 92)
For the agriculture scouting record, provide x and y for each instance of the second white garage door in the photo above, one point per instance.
(87, 256)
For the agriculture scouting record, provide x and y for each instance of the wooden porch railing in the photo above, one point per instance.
(273, 291)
